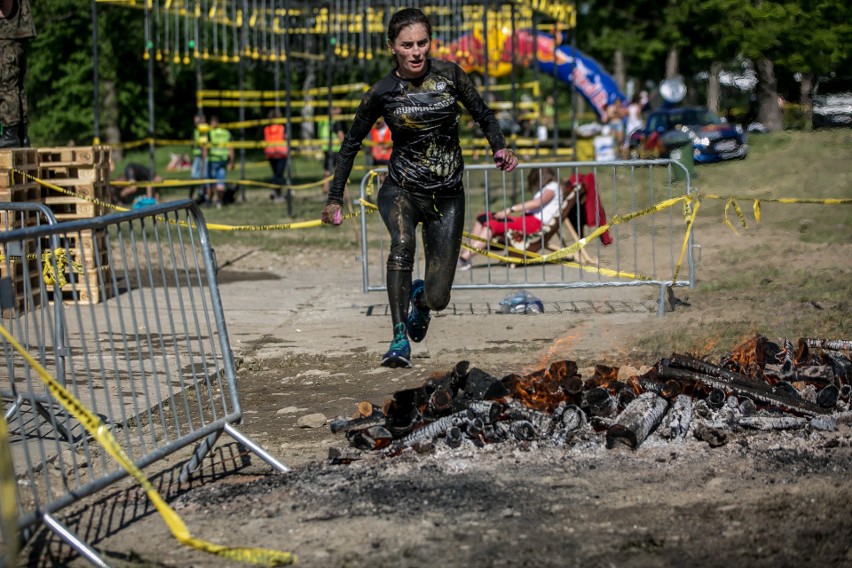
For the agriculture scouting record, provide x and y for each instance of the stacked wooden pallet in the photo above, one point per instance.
(19, 270)
(82, 171)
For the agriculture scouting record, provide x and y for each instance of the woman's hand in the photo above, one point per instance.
(505, 159)
(332, 214)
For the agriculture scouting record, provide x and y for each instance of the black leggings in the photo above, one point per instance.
(443, 224)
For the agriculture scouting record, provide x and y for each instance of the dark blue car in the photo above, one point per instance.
(713, 139)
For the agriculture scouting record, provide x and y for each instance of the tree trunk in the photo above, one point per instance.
(618, 69)
(672, 63)
(109, 116)
(806, 91)
(714, 91)
(769, 113)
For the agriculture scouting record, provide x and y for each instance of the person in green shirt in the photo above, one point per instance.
(219, 155)
(16, 30)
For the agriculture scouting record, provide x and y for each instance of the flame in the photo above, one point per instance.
(560, 345)
(749, 353)
(544, 389)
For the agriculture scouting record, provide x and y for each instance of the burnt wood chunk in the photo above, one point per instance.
(830, 344)
(773, 422)
(637, 421)
(600, 402)
(827, 397)
(679, 418)
(743, 386)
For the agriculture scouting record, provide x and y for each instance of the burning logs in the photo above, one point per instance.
(637, 421)
(760, 385)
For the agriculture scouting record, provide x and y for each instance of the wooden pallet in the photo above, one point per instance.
(10, 220)
(83, 171)
(22, 193)
(87, 248)
(76, 156)
(66, 207)
(19, 159)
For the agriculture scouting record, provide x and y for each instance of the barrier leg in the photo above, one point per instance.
(264, 455)
(65, 534)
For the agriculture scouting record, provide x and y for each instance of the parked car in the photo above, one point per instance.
(832, 103)
(713, 138)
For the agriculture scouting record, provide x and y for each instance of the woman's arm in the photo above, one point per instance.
(366, 115)
(535, 204)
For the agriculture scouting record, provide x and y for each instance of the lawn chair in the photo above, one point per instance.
(547, 238)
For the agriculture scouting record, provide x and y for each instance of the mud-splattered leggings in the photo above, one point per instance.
(443, 223)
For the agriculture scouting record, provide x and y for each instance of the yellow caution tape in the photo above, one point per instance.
(8, 499)
(60, 257)
(614, 220)
(690, 223)
(101, 433)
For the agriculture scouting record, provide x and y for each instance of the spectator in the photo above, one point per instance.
(16, 30)
(614, 118)
(219, 155)
(382, 148)
(634, 122)
(527, 217)
(135, 173)
(276, 152)
(331, 132)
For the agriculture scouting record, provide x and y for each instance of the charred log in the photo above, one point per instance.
(599, 402)
(830, 344)
(785, 389)
(454, 437)
(435, 429)
(754, 390)
(827, 397)
(679, 418)
(637, 421)
(348, 425)
(716, 399)
(773, 422)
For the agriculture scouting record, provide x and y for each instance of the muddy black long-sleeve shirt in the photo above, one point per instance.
(423, 116)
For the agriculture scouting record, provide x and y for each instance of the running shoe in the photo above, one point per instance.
(399, 354)
(464, 264)
(418, 318)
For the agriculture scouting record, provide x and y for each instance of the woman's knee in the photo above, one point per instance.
(401, 258)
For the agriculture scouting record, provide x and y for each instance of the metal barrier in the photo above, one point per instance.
(136, 332)
(644, 251)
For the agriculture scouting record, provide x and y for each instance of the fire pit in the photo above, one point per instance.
(759, 385)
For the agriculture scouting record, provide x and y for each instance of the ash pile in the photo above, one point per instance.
(760, 385)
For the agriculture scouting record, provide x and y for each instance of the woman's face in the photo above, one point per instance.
(411, 48)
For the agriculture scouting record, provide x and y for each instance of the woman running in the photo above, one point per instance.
(418, 101)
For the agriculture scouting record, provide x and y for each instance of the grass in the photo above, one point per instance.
(787, 277)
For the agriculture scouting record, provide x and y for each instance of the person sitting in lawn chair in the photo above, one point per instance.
(526, 218)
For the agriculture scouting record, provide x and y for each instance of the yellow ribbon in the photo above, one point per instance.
(104, 437)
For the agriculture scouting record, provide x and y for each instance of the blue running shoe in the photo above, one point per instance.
(418, 318)
(399, 354)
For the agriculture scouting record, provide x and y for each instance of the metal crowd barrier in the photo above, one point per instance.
(644, 251)
(124, 310)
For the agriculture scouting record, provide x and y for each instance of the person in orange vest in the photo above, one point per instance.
(276, 152)
(380, 135)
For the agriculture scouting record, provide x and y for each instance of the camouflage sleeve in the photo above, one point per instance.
(368, 111)
(481, 112)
